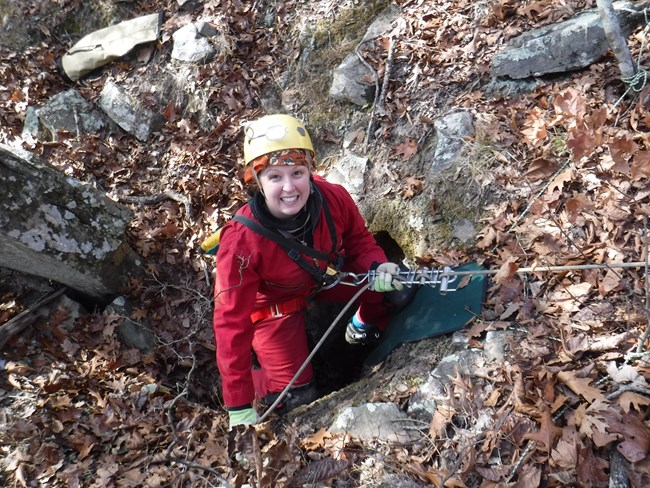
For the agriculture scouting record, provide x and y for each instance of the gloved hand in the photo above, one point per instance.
(247, 416)
(384, 280)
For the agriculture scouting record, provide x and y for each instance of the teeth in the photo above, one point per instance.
(289, 199)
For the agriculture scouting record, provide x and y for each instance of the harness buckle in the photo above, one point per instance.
(275, 310)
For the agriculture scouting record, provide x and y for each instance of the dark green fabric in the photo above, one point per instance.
(431, 314)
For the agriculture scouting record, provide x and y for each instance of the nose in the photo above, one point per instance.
(287, 184)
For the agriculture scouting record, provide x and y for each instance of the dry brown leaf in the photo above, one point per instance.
(546, 434)
(581, 386)
(539, 168)
(591, 468)
(630, 399)
(316, 440)
(441, 418)
(611, 282)
(506, 271)
(565, 453)
(640, 167)
(407, 149)
(557, 184)
(582, 142)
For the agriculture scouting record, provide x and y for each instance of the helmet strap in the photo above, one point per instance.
(257, 180)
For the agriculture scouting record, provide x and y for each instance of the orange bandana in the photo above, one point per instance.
(287, 157)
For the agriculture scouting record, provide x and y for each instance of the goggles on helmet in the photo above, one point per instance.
(287, 157)
(272, 133)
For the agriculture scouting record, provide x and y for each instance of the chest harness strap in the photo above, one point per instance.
(326, 278)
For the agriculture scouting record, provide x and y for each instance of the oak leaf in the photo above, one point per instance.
(316, 440)
(611, 282)
(440, 420)
(622, 148)
(581, 386)
(558, 182)
(631, 399)
(570, 103)
(565, 453)
(139, 313)
(640, 167)
(547, 432)
(408, 148)
(539, 168)
(582, 143)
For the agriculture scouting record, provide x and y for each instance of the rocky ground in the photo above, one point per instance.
(566, 171)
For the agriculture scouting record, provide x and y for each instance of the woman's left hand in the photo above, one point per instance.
(387, 278)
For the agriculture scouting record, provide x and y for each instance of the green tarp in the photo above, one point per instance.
(431, 314)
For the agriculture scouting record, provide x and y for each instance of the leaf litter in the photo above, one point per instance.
(80, 409)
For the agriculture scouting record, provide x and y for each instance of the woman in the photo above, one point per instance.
(282, 248)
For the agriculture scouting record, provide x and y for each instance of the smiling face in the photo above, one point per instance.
(286, 189)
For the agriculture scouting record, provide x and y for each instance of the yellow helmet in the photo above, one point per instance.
(274, 133)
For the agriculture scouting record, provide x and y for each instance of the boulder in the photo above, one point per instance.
(127, 110)
(566, 46)
(66, 112)
(59, 228)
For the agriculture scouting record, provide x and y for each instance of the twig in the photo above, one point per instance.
(210, 470)
(152, 199)
(617, 472)
(374, 75)
(380, 99)
(184, 392)
(537, 195)
(25, 318)
(623, 388)
(646, 332)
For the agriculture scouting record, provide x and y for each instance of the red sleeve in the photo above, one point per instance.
(236, 288)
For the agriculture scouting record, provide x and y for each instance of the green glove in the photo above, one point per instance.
(246, 416)
(385, 278)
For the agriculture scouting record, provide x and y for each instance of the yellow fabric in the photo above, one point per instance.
(100, 47)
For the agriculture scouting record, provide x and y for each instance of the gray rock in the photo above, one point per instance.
(464, 230)
(494, 346)
(450, 131)
(423, 402)
(61, 229)
(191, 46)
(131, 334)
(206, 29)
(380, 421)
(570, 45)
(352, 81)
(65, 112)
(348, 172)
(128, 112)
(348, 82)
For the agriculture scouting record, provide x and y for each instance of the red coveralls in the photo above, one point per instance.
(254, 272)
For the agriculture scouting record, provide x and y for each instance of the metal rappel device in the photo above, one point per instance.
(447, 276)
(425, 276)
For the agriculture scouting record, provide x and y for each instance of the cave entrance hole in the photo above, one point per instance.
(337, 363)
